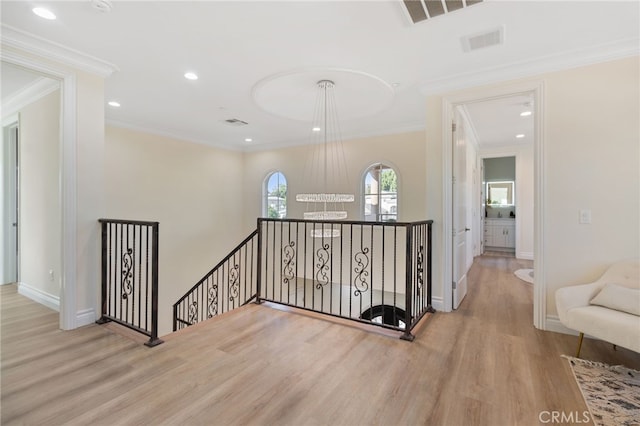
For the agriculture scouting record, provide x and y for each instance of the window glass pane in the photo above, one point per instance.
(380, 194)
(276, 196)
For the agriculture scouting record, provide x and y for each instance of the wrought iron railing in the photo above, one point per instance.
(373, 272)
(229, 285)
(130, 275)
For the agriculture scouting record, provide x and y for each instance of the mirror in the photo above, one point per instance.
(500, 193)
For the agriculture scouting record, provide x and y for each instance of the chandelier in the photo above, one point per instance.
(326, 167)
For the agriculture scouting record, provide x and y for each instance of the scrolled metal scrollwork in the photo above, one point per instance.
(193, 312)
(127, 274)
(234, 282)
(420, 269)
(212, 301)
(288, 260)
(362, 262)
(322, 278)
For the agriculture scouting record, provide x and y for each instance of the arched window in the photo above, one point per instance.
(275, 196)
(380, 194)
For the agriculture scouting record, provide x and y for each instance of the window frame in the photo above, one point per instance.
(390, 217)
(265, 195)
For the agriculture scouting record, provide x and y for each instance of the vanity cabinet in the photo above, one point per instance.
(500, 233)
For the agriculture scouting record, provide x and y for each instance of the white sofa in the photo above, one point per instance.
(578, 310)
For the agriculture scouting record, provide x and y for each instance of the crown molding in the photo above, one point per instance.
(557, 62)
(29, 94)
(407, 128)
(27, 42)
(169, 135)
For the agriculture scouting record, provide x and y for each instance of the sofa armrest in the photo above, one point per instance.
(575, 296)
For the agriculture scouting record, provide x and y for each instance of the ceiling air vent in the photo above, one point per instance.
(422, 10)
(484, 39)
(235, 122)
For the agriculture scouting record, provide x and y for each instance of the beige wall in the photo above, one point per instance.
(405, 152)
(40, 195)
(591, 161)
(194, 191)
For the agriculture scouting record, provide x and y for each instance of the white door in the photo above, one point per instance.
(459, 210)
(9, 179)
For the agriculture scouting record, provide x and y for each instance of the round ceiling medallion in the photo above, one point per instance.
(293, 94)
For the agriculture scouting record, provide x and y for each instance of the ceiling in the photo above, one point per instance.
(258, 61)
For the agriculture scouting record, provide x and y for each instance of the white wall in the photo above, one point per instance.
(194, 191)
(405, 152)
(591, 160)
(39, 218)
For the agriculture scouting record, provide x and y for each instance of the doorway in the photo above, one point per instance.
(467, 100)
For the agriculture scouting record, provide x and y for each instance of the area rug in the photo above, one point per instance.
(525, 275)
(612, 393)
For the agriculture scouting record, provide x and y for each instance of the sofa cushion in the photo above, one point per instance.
(607, 324)
(619, 298)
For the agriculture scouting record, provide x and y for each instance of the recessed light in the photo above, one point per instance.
(520, 136)
(114, 104)
(316, 129)
(44, 13)
(190, 76)
(395, 84)
(525, 113)
(248, 140)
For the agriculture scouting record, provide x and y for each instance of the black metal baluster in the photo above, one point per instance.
(371, 228)
(395, 273)
(350, 270)
(341, 271)
(384, 232)
(408, 291)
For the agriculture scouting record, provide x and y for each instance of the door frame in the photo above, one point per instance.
(10, 123)
(449, 102)
(68, 162)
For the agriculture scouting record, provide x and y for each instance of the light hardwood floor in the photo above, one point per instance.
(484, 364)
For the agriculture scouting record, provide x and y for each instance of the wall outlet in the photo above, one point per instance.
(51, 275)
(585, 216)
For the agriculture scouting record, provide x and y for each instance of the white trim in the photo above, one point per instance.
(37, 295)
(553, 324)
(534, 66)
(56, 52)
(29, 94)
(85, 317)
(438, 304)
(526, 255)
(68, 138)
(10, 120)
(448, 103)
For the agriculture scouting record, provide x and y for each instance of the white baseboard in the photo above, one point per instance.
(553, 324)
(46, 299)
(526, 255)
(85, 317)
(438, 304)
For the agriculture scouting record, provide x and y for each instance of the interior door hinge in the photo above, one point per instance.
(455, 285)
(453, 127)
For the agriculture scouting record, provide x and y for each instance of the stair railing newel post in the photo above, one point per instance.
(103, 319)
(153, 340)
(429, 263)
(259, 263)
(408, 287)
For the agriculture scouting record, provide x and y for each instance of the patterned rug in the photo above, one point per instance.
(612, 393)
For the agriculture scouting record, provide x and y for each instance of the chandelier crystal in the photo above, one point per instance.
(327, 166)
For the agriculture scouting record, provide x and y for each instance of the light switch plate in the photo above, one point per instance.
(585, 216)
